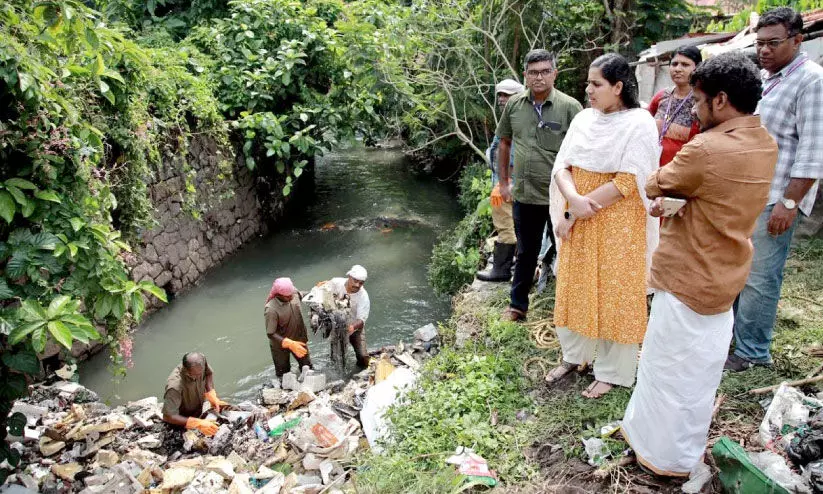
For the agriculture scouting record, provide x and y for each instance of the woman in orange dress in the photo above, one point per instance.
(672, 108)
(606, 236)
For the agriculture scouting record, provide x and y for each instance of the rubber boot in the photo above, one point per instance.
(502, 267)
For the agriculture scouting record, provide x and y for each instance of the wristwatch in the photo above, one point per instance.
(788, 203)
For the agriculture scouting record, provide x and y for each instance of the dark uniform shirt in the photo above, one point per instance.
(536, 144)
(284, 320)
(184, 395)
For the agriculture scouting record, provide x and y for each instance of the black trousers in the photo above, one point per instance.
(530, 221)
(282, 360)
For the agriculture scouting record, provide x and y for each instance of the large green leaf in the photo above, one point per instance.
(56, 306)
(26, 362)
(5, 290)
(16, 266)
(7, 206)
(77, 223)
(47, 195)
(21, 183)
(155, 290)
(119, 307)
(33, 311)
(18, 195)
(60, 333)
(38, 338)
(137, 306)
(22, 330)
(102, 306)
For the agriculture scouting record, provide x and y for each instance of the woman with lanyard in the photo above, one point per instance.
(672, 108)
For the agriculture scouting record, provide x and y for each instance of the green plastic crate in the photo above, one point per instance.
(738, 474)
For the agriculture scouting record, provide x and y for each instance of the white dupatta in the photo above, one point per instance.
(619, 142)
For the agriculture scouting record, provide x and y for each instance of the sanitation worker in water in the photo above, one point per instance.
(285, 327)
(352, 288)
(189, 385)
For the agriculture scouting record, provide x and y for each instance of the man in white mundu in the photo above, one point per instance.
(700, 265)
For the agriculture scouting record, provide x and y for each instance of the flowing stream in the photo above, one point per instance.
(366, 207)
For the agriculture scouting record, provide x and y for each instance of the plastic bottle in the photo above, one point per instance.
(261, 434)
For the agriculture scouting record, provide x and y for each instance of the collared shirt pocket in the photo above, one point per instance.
(548, 138)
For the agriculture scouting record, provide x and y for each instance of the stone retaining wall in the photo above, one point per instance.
(181, 248)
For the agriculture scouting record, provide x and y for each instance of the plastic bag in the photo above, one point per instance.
(789, 410)
(378, 399)
(596, 451)
(775, 467)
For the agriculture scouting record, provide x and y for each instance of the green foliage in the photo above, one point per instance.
(84, 117)
(474, 187)
(741, 19)
(456, 256)
(286, 80)
(452, 405)
(172, 16)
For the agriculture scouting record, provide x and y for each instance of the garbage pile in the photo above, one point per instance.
(300, 437)
(792, 433)
(330, 316)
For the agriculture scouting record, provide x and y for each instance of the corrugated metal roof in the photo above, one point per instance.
(664, 47)
(812, 21)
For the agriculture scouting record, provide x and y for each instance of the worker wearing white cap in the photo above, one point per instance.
(352, 287)
(506, 243)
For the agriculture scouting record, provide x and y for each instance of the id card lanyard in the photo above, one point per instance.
(774, 84)
(667, 121)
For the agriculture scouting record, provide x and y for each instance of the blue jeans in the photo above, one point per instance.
(755, 309)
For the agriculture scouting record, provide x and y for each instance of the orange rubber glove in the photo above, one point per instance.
(496, 199)
(216, 402)
(298, 348)
(207, 427)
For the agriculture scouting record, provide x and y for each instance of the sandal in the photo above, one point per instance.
(559, 372)
(512, 314)
(592, 393)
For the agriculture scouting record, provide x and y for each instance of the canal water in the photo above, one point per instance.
(367, 207)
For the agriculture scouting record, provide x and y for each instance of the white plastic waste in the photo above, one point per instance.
(789, 407)
(699, 477)
(596, 451)
(775, 467)
(379, 398)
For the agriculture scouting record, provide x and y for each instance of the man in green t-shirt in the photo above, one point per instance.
(535, 123)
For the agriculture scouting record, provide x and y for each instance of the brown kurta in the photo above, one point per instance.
(284, 320)
(184, 395)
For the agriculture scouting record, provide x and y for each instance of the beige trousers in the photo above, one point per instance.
(504, 224)
(616, 363)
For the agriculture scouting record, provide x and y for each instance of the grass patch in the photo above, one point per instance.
(462, 389)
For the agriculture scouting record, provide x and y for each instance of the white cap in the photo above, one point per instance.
(357, 272)
(508, 86)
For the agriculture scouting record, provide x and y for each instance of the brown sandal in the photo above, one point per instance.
(559, 372)
(512, 314)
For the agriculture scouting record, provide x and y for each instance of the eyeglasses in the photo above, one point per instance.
(535, 73)
(771, 43)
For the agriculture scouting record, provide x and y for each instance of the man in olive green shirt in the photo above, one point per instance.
(535, 122)
(188, 386)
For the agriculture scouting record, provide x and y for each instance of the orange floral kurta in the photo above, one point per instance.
(601, 268)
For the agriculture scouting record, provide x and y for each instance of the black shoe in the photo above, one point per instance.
(737, 364)
(502, 264)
